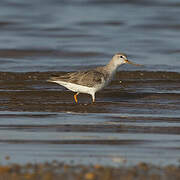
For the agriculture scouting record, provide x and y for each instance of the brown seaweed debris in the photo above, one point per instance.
(57, 170)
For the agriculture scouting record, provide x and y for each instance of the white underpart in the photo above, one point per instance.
(81, 89)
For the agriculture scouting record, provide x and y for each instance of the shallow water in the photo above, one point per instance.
(139, 122)
(135, 121)
(58, 35)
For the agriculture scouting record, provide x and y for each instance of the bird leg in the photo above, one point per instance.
(75, 97)
(93, 98)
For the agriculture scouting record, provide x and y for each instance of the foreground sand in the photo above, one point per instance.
(60, 171)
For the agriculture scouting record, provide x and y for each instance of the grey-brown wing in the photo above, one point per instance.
(88, 78)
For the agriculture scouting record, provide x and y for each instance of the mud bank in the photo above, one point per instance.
(138, 90)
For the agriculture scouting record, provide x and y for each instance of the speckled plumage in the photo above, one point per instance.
(89, 78)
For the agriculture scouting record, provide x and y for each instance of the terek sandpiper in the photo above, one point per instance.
(93, 80)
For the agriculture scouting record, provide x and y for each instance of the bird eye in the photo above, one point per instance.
(121, 56)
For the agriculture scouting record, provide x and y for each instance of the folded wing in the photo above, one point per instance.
(89, 78)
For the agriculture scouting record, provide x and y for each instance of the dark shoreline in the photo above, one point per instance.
(123, 75)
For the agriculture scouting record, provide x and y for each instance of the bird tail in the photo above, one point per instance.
(52, 79)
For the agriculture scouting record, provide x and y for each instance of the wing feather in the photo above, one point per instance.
(88, 78)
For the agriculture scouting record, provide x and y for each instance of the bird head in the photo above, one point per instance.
(121, 58)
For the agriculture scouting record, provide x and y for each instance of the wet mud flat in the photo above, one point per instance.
(130, 91)
(57, 170)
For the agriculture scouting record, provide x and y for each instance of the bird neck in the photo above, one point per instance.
(112, 66)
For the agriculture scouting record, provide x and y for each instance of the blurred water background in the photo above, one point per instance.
(56, 35)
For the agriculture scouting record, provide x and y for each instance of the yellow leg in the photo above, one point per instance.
(75, 97)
